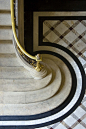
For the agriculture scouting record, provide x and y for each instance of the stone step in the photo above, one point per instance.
(4, 4)
(5, 19)
(5, 33)
(33, 96)
(24, 85)
(43, 106)
(14, 73)
(6, 48)
(8, 60)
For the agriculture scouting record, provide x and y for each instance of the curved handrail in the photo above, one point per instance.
(15, 35)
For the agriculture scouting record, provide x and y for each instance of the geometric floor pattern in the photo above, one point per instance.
(72, 35)
(68, 33)
(77, 120)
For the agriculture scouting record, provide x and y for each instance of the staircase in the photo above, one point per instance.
(20, 94)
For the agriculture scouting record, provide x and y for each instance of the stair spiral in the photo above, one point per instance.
(37, 98)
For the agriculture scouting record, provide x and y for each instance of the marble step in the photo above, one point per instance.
(46, 105)
(8, 60)
(6, 48)
(4, 4)
(6, 33)
(14, 73)
(5, 19)
(33, 96)
(24, 85)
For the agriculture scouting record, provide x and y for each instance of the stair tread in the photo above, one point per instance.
(9, 60)
(6, 34)
(33, 96)
(6, 48)
(47, 105)
(14, 73)
(5, 19)
(21, 85)
(4, 4)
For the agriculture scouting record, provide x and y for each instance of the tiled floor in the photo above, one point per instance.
(72, 35)
(68, 33)
(77, 120)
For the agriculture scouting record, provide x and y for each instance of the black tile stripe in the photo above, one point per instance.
(55, 5)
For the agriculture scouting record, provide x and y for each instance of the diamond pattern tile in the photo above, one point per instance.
(70, 22)
(60, 126)
(79, 112)
(70, 36)
(52, 36)
(69, 121)
(80, 45)
(68, 33)
(80, 28)
(61, 42)
(73, 37)
(79, 127)
(77, 120)
(84, 120)
(62, 28)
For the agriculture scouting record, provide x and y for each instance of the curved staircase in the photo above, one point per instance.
(50, 98)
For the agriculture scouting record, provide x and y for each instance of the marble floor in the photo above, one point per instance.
(69, 32)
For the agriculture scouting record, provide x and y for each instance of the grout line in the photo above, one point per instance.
(5, 27)
(6, 41)
(5, 11)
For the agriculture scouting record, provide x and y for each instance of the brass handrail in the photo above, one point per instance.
(16, 39)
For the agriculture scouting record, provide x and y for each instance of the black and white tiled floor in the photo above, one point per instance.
(70, 33)
(64, 28)
(77, 120)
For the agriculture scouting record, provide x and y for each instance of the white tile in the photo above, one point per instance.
(52, 22)
(84, 21)
(61, 42)
(83, 62)
(70, 37)
(84, 120)
(84, 53)
(60, 126)
(71, 22)
(80, 45)
(79, 126)
(80, 28)
(61, 28)
(84, 103)
(79, 112)
(70, 120)
(84, 36)
(52, 36)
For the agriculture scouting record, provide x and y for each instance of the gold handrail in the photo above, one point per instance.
(16, 39)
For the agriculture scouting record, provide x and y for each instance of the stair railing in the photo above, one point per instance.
(32, 60)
